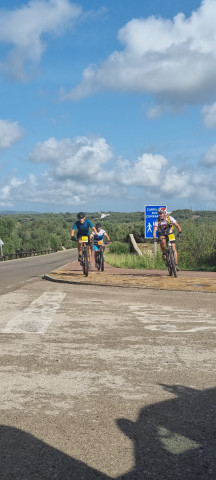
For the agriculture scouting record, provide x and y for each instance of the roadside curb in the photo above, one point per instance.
(181, 284)
(88, 282)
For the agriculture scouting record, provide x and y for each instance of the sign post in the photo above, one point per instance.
(1, 245)
(151, 215)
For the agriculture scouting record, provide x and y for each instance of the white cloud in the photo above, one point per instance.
(95, 14)
(209, 115)
(10, 132)
(24, 28)
(155, 111)
(80, 159)
(177, 183)
(48, 190)
(145, 172)
(174, 59)
(156, 174)
(209, 159)
(79, 171)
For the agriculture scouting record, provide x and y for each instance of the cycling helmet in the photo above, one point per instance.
(80, 215)
(98, 225)
(161, 210)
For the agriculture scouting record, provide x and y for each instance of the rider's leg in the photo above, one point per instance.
(175, 251)
(163, 245)
(79, 247)
(89, 252)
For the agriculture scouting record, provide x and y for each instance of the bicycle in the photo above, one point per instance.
(170, 255)
(84, 262)
(99, 256)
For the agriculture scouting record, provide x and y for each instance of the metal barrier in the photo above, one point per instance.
(32, 253)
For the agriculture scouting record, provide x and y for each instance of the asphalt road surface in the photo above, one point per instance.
(105, 382)
(14, 273)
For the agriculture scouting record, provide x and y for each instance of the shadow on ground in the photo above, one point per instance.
(174, 439)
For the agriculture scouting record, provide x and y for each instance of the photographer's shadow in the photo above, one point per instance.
(24, 457)
(175, 439)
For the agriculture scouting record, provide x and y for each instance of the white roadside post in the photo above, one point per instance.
(1, 245)
(155, 249)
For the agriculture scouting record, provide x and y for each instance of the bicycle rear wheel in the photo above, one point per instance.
(85, 262)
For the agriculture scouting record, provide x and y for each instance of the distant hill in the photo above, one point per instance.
(112, 217)
(14, 212)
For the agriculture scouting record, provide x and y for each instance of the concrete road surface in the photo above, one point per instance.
(101, 383)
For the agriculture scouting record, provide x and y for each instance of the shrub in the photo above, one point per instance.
(119, 248)
(134, 261)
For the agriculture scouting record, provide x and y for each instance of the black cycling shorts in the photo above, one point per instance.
(163, 234)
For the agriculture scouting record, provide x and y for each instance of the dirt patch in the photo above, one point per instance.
(156, 279)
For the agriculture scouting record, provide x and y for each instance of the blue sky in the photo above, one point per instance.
(107, 105)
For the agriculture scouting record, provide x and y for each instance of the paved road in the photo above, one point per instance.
(14, 273)
(102, 383)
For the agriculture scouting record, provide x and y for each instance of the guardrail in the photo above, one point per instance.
(32, 253)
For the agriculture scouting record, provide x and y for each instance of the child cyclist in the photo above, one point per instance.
(100, 233)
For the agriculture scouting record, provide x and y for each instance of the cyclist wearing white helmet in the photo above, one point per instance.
(164, 224)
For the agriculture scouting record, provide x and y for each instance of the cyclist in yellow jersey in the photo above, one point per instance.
(164, 225)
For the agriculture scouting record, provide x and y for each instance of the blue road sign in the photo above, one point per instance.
(151, 214)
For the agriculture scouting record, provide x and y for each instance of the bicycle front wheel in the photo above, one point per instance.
(169, 266)
(102, 260)
(169, 262)
(173, 262)
(85, 262)
(97, 260)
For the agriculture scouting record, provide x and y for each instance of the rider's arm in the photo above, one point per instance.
(94, 230)
(177, 226)
(107, 236)
(73, 229)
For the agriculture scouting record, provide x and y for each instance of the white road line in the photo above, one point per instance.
(178, 320)
(37, 317)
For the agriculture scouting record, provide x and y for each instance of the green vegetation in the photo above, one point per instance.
(197, 247)
(40, 232)
(32, 231)
(119, 248)
(126, 260)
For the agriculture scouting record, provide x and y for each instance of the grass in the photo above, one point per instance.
(118, 255)
(130, 260)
